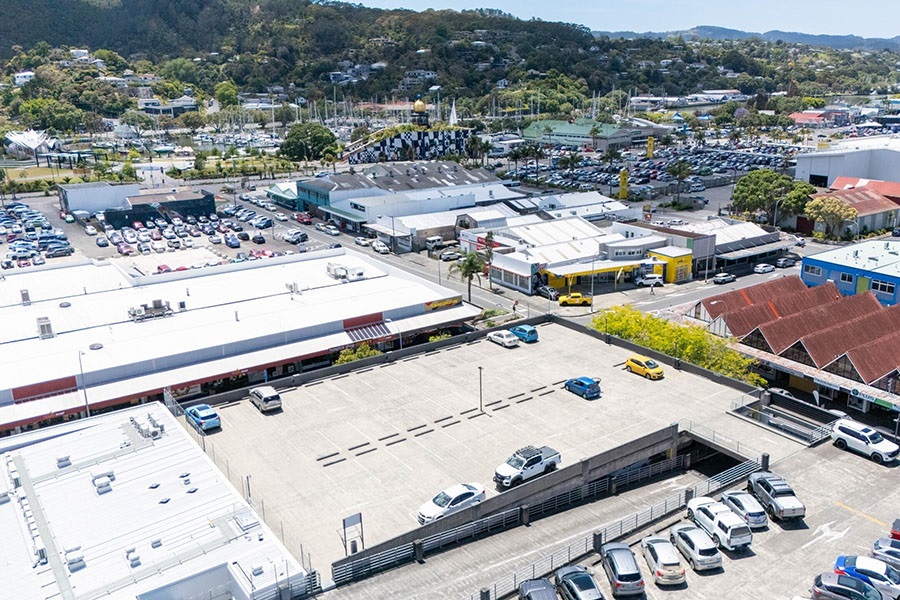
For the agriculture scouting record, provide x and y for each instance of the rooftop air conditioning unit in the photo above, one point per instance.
(26, 297)
(45, 330)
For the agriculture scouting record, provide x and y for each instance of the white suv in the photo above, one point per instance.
(848, 433)
(726, 529)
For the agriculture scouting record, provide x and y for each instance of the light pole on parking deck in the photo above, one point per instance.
(480, 391)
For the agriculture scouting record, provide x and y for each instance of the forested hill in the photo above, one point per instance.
(170, 28)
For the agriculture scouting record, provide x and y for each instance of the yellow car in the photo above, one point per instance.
(643, 365)
(575, 298)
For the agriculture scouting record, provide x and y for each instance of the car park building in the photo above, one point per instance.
(858, 269)
(845, 351)
(126, 505)
(72, 337)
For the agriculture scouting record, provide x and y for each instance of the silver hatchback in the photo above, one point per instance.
(622, 570)
(696, 546)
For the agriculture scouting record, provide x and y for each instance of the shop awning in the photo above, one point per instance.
(756, 250)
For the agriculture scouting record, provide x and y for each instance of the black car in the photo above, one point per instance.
(243, 236)
(258, 239)
(548, 292)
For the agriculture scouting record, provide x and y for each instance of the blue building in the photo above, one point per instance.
(857, 269)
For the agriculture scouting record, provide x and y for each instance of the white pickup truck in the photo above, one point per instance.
(526, 463)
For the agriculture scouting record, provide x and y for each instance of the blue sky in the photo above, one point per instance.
(868, 18)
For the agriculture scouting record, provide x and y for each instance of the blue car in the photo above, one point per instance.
(526, 333)
(586, 387)
(203, 416)
(232, 241)
(878, 574)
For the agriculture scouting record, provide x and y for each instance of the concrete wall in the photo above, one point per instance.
(543, 488)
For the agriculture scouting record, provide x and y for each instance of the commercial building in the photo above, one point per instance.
(843, 350)
(530, 252)
(102, 335)
(876, 157)
(126, 505)
(861, 268)
(874, 211)
(96, 196)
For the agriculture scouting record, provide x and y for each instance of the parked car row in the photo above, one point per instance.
(30, 237)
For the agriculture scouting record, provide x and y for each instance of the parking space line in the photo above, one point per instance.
(456, 422)
(426, 432)
(334, 462)
(366, 451)
(525, 399)
(547, 392)
(387, 437)
(500, 407)
(326, 456)
(468, 410)
(356, 447)
(861, 514)
(416, 427)
(391, 443)
(443, 419)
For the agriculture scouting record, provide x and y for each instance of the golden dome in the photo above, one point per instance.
(419, 106)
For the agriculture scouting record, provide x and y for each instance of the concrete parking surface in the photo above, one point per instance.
(382, 441)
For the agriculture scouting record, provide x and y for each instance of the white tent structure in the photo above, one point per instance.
(27, 140)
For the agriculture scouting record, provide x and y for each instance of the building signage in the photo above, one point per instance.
(826, 384)
(443, 303)
(862, 395)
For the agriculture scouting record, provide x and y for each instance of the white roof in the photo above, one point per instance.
(555, 231)
(882, 257)
(725, 232)
(204, 537)
(447, 218)
(232, 312)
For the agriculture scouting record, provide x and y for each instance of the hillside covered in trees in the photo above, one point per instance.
(490, 62)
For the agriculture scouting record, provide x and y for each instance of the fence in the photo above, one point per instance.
(407, 551)
(612, 531)
(312, 582)
(705, 433)
(807, 428)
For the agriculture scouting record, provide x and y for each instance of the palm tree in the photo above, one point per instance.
(679, 170)
(594, 132)
(470, 266)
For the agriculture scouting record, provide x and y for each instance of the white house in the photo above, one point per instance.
(23, 77)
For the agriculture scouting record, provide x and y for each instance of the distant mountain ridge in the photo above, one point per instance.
(710, 32)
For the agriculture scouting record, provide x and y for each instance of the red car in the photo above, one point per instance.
(302, 218)
(163, 269)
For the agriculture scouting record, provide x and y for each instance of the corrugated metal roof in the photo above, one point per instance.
(744, 320)
(885, 188)
(875, 360)
(866, 201)
(737, 299)
(784, 333)
(828, 344)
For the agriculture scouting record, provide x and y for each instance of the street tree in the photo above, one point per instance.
(307, 141)
(831, 212)
(771, 192)
(468, 268)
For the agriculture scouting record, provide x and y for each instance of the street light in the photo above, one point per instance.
(593, 275)
(87, 407)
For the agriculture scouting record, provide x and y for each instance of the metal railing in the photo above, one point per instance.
(711, 435)
(406, 552)
(609, 532)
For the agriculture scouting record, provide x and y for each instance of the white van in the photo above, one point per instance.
(265, 398)
(434, 242)
(648, 279)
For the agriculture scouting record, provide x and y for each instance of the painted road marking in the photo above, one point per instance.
(861, 514)
(824, 532)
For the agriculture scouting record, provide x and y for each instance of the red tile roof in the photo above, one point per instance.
(829, 344)
(784, 333)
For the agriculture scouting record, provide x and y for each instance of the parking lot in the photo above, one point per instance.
(384, 440)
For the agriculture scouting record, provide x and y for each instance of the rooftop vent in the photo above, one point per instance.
(45, 330)
(26, 297)
(63, 461)
(65, 304)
